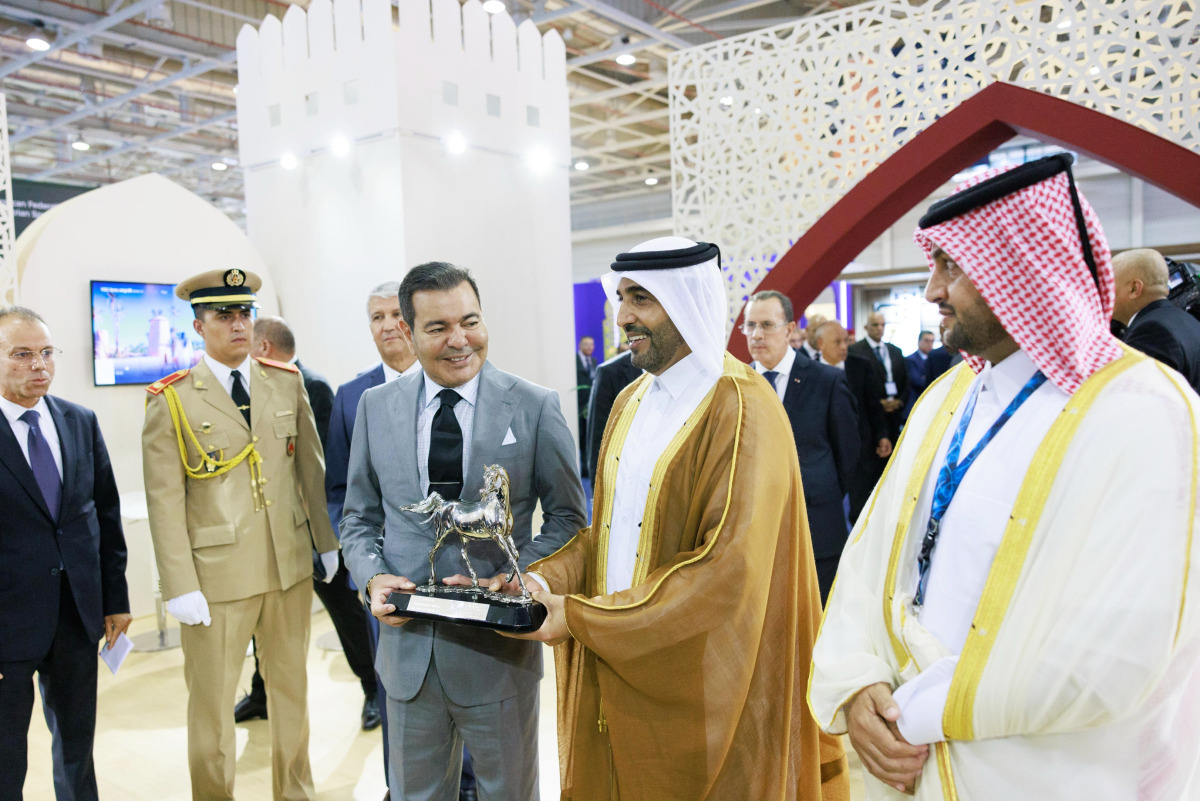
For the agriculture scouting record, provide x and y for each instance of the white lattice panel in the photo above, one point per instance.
(771, 129)
(8, 262)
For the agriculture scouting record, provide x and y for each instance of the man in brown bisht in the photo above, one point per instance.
(688, 610)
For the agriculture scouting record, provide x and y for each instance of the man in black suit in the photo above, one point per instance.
(62, 561)
(610, 378)
(273, 340)
(821, 410)
(585, 369)
(867, 389)
(1155, 325)
(888, 362)
(941, 358)
(918, 369)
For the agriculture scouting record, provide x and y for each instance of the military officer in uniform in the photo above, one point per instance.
(235, 485)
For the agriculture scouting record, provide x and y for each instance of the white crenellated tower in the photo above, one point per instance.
(374, 139)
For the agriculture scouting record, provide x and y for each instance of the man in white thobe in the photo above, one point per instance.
(1016, 615)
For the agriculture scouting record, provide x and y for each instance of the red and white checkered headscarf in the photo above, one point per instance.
(1022, 252)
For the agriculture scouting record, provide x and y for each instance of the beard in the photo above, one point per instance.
(974, 330)
(662, 343)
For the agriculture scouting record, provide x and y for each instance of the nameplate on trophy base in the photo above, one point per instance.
(470, 606)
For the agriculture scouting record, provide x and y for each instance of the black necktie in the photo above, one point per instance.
(771, 375)
(240, 396)
(42, 462)
(446, 449)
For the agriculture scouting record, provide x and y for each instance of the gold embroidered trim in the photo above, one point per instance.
(958, 719)
(945, 771)
(737, 439)
(604, 503)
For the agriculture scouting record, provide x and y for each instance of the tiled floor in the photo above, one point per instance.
(141, 741)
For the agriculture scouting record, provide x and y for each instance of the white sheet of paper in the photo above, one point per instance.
(117, 655)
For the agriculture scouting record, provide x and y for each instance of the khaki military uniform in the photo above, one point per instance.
(241, 532)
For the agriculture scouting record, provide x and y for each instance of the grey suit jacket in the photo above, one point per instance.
(475, 666)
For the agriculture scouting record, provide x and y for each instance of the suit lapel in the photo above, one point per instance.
(211, 392)
(12, 459)
(66, 424)
(406, 414)
(262, 386)
(797, 392)
(494, 408)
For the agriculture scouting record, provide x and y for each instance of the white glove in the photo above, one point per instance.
(190, 609)
(329, 560)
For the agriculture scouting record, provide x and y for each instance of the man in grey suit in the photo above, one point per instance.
(437, 430)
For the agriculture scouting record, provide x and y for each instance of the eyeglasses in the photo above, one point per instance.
(767, 328)
(26, 357)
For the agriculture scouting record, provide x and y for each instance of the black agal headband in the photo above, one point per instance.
(1006, 183)
(668, 259)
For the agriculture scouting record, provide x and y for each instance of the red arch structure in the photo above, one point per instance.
(954, 142)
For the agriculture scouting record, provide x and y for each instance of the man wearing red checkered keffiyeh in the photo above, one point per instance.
(1012, 617)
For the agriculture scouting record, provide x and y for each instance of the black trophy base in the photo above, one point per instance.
(470, 606)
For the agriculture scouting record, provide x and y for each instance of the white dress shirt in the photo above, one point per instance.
(666, 406)
(784, 369)
(464, 411)
(390, 375)
(20, 429)
(973, 526)
(224, 375)
(877, 348)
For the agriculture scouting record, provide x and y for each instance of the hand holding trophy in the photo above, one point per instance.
(488, 519)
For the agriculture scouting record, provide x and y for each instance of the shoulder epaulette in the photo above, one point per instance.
(291, 368)
(158, 386)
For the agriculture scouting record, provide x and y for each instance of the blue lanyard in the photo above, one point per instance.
(952, 472)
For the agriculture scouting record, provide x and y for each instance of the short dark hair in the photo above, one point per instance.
(923, 334)
(784, 301)
(21, 313)
(432, 276)
(276, 331)
(198, 309)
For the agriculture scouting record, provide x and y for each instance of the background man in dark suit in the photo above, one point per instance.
(397, 359)
(888, 361)
(585, 369)
(62, 561)
(940, 358)
(610, 378)
(273, 339)
(918, 368)
(822, 413)
(875, 442)
(1156, 326)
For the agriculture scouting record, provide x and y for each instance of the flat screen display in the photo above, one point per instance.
(140, 333)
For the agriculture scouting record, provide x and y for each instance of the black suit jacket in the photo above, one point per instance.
(85, 537)
(824, 420)
(583, 383)
(863, 349)
(611, 377)
(866, 385)
(938, 363)
(1169, 334)
(320, 398)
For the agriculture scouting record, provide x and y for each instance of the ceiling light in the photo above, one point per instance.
(651, 181)
(726, 101)
(538, 160)
(288, 161)
(494, 6)
(626, 59)
(80, 145)
(757, 110)
(340, 146)
(38, 42)
(455, 143)
(1066, 23)
(219, 166)
(581, 165)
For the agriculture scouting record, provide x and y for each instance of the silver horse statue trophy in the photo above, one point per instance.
(489, 518)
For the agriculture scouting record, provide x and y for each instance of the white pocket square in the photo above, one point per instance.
(509, 439)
